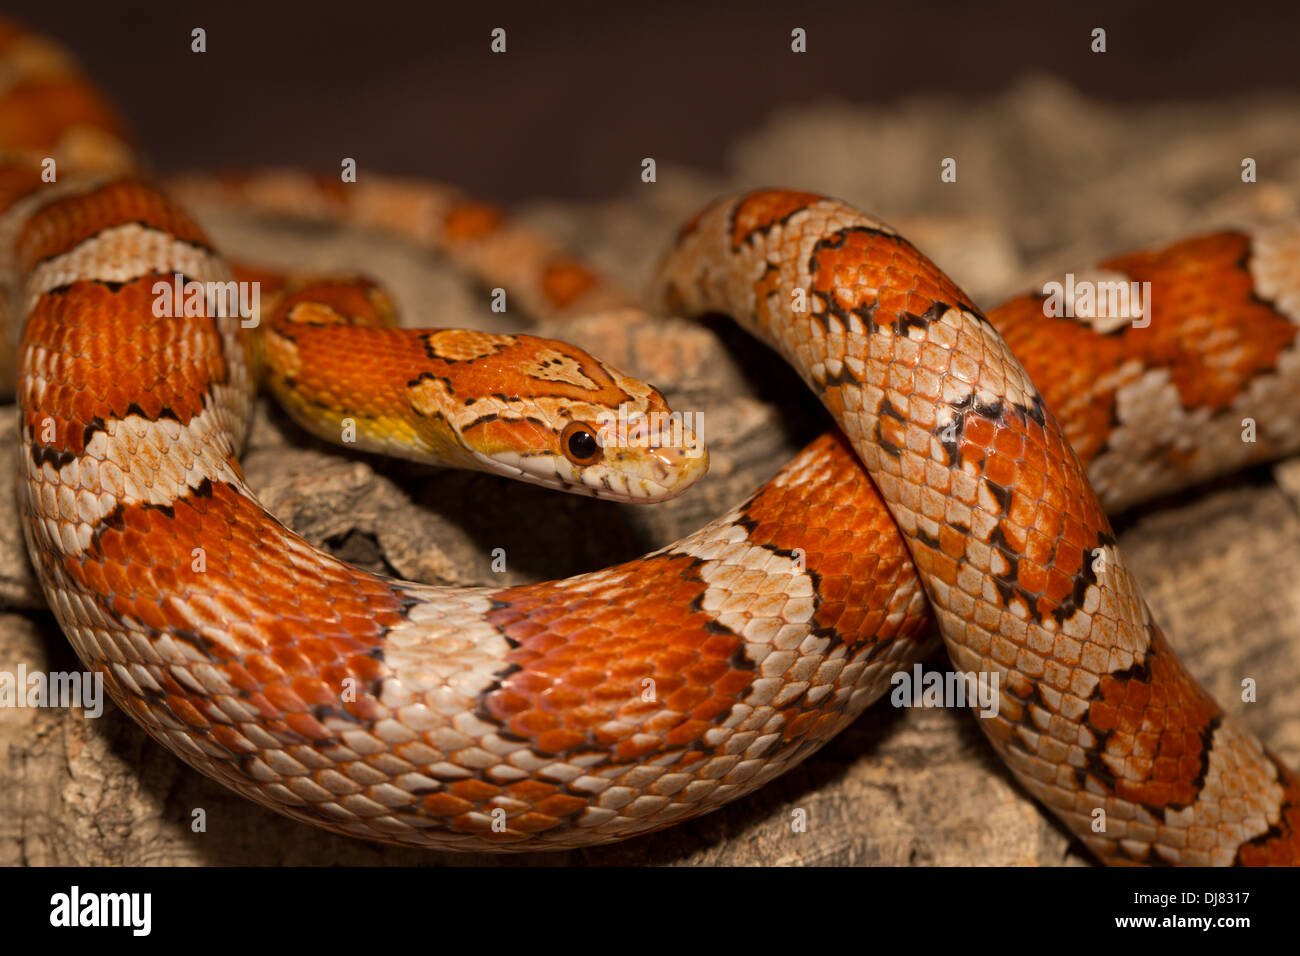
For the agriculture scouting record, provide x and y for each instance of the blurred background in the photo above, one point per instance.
(584, 91)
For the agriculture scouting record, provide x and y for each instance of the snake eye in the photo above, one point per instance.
(579, 444)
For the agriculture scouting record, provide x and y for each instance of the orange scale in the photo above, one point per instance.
(841, 563)
(170, 685)
(475, 791)
(446, 805)
(558, 741)
(82, 410)
(560, 699)
(625, 669)
(1000, 469)
(582, 637)
(633, 712)
(562, 805)
(323, 652)
(1189, 767)
(89, 573)
(270, 716)
(553, 638)
(1103, 715)
(115, 571)
(896, 300)
(334, 673)
(799, 725)
(1147, 744)
(362, 625)
(1139, 693)
(1131, 719)
(507, 703)
(277, 592)
(1069, 559)
(658, 615)
(1033, 459)
(632, 750)
(845, 617)
(589, 667)
(706, 672)
(1178, 745)
(686, 699)
(918, 302)
(1032, 578)
(952, 542)
(687, 732)
(1059, 585)
(165, 554)
(187, 524)
(552, 666)
(1078, 536)
(942, 566)
(185, 712)
(608, 617)
(1035, 546)
(613, 692)
(148, 613)
(525, 822)
(666, 681)
(315, 692)
(1007, 441)
(263, 671)
(837, 590)
(721, 645)
(228, 737)
(365, 669)
(284, 699)
(586, 719)
(877, 258)
(686, 640)
(1052, 493)
(531, 722)
(307, 727)
(234, 606)
(712, 709)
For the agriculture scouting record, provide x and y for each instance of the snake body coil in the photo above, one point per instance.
(480, 718)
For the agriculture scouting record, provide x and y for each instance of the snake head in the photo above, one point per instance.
(549, 413)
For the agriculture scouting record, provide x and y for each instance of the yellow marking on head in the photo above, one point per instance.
(462, 345)
(431, 396)
(555, 366)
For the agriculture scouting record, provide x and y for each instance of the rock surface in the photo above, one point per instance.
(1046, 182)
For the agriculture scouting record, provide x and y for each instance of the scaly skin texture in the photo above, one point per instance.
(504, 404)
(1011, 543)
(581, 711)
(561, 714)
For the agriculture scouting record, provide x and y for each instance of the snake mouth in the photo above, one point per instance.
(669, 471)
(631, 475)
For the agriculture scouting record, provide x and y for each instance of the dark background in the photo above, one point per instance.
(586, 90)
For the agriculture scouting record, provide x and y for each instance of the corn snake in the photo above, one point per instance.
(824, 469)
